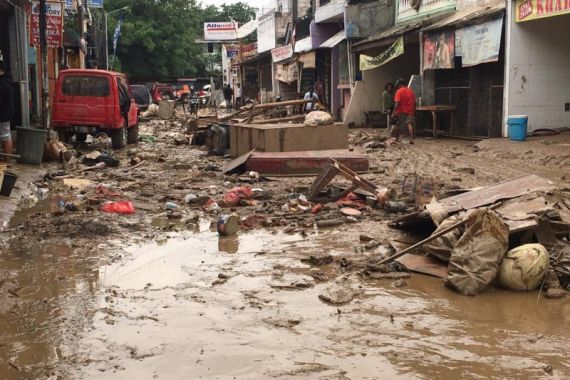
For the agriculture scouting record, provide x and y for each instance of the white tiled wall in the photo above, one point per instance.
(539, 71)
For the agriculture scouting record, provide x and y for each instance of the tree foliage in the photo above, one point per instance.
(158, 37)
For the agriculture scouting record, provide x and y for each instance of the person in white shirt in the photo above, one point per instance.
(310, 95)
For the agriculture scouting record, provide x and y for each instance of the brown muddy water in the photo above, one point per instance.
(203, 307)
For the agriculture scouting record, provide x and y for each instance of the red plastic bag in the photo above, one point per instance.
(352, 200)
(235, 195)
(123, 208)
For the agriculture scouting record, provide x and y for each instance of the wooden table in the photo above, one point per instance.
(434, 109)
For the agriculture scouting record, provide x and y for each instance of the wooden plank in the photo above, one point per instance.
(424, 264)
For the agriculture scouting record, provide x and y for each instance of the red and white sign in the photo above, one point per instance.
(54, 24)
(281, 53)
(220, 31)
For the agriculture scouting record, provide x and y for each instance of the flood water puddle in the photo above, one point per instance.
(246, 307)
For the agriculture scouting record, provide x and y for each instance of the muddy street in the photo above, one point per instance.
(159, 294)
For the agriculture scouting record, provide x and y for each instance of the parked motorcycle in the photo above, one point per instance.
(193, 104)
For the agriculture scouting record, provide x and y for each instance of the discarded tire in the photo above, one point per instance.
(523, 268)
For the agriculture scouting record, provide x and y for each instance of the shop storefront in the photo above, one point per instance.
(463, 66)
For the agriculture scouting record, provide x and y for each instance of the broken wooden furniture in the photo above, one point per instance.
(332, 170)
(434, 109)
(286, 137)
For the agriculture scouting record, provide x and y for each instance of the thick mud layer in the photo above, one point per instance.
(247, 307)
(86, 294)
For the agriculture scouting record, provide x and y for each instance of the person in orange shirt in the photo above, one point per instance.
(404, 109)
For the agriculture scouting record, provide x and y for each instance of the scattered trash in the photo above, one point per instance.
(523, 268)
(228, 225)
(236, 195)
(170, 206)
(123, 207)
(316, 118)
(476, 258)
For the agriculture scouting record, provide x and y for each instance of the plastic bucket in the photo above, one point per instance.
(517, 127)
(8, 184)
(30, 145)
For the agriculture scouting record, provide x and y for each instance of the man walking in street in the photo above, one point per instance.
(7, 108)
(404, 109)
(228, 95)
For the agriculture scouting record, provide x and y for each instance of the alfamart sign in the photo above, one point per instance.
(527, 10)
(220, 31)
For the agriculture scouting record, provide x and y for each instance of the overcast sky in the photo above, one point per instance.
(258, 4)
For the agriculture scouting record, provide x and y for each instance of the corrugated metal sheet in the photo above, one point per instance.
(334, 40)
(468, 16)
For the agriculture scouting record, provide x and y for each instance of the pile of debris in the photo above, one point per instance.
(476, 229)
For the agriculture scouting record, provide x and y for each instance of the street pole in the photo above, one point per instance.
(106, 43)
(43, 48)
(106, 14)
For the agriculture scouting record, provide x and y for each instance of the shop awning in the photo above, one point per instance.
(334, 40)
(247, 29)
(468, 16)
(386, 37)
(303, 45)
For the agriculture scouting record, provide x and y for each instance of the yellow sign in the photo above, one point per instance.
(396, 49)
(527, 10)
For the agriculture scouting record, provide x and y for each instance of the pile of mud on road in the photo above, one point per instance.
(103, 199)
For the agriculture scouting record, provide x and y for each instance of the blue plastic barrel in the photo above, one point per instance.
(517, 127)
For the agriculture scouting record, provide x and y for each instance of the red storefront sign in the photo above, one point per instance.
(54, 21)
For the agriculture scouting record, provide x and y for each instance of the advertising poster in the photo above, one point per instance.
(439, 50)
(479, 43)
(220, 31)
(54, 31)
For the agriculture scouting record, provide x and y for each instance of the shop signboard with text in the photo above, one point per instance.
(54, 21)
(220, 31)
(281, 53)
(527, 10)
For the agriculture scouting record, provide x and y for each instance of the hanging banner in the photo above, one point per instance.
(220, 31)
(281, 53)
(526, 10)
(54, 22)
(396, 49)
(439, 50)
(479, 43)
(287, 73)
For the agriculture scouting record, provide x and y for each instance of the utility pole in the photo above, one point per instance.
(44, 53)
